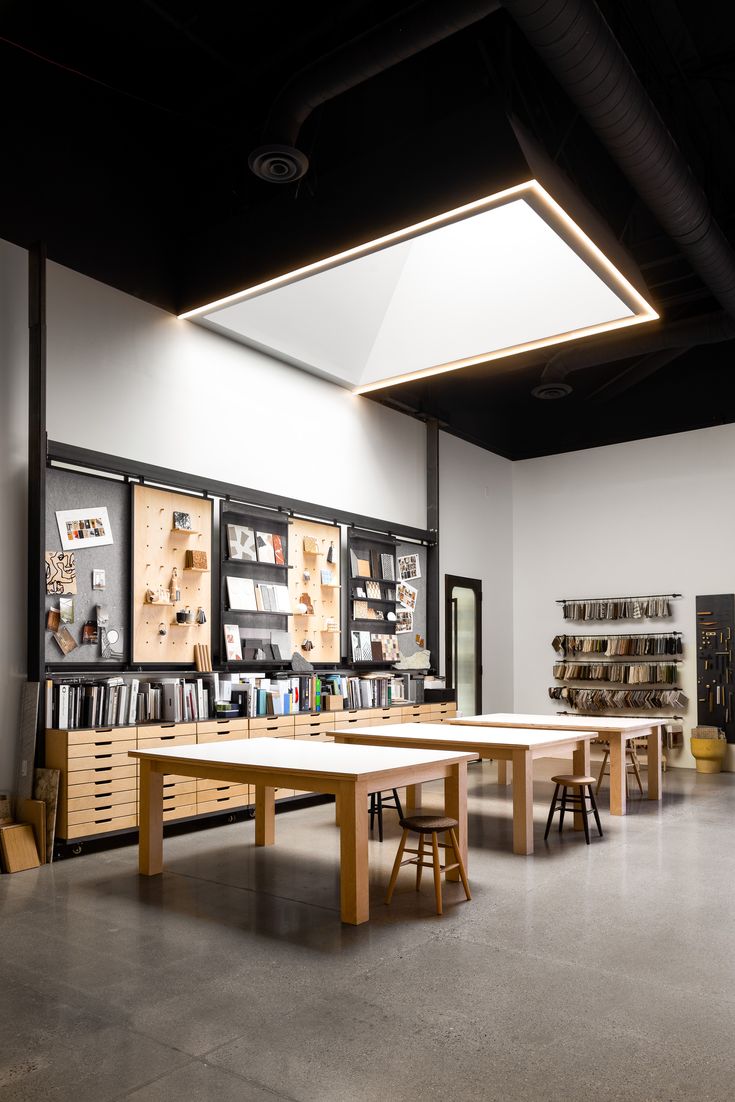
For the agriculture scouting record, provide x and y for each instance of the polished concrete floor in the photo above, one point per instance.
(604, 972)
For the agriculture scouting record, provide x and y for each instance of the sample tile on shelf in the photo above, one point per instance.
(387, 563)
(241, 543)
(361, 646)
(279, 557)
(241, 593)
(233, 647)
(311, 545)
(373, 590)
(360, 610)
(264, 543)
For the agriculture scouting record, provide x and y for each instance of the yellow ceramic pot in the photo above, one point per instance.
(709, 753)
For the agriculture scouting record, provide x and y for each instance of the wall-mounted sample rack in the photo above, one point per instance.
(655, 606)
(595, 667)
(715, 687)
(371, 615)
(166, 525)
(315, 584)
(254, 589)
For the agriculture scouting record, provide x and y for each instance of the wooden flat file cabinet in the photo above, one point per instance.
(99, 782)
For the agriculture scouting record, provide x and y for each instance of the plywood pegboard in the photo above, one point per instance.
(324, 599)
(157, 549)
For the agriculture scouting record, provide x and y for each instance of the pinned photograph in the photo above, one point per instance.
(66, 610)
(61, 572)
(53, 619)
(404, 621)
(407, 595)
(409, 567)
(66, 640)
(80, 528)
(98, 579)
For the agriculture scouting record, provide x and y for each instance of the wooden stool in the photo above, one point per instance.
(433, 825)
(634, 764)
(571, 802)
(377, 802)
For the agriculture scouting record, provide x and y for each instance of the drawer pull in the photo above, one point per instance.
(165, 738)
(103, 820)
(108, 743)
(167, 725)
(105, 807)
(102, 730)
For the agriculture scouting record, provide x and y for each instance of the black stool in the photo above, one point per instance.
(377, 802)
(433, 825)
(569, 801)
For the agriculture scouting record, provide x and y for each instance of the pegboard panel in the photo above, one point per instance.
(157, 549)
(309, 544)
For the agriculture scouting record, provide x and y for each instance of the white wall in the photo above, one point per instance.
(653, 516)
(131, 380)
(13, 496)
(476, 541)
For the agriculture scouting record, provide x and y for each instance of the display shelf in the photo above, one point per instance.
(314, 547)
(187, 531)
(196, 570)
(186, 624)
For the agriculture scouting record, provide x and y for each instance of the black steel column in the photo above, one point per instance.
(433, 587)
(36, 458)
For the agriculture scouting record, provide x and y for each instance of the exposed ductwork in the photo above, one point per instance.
(648, 342)
(579, 48)
(279, 161)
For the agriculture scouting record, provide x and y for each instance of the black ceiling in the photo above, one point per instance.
(127, 127)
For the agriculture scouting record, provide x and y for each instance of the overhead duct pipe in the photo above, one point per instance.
(574, 40)
(280, 161)
(682, 335)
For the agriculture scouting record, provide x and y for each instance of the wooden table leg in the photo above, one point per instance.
(581, 764)
(455, 806)
(265, 815)
(522, 801)
(354, 887)
(413, 797)
(618, 795)
(654, 753)
(504, 773)
(150, 837)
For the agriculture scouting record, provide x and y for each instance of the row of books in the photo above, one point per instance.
(78, 702)
(254, 695)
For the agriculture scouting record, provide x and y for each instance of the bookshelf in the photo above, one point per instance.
(372, 600)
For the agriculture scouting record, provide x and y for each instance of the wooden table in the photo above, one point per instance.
(350, 773)
(617, 731)
(509, 744)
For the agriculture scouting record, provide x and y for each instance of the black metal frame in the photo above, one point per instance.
(451, 580)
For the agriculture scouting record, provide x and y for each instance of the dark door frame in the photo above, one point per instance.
(475, 584)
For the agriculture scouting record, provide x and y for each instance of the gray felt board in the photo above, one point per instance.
(71, 490)
(407, 642)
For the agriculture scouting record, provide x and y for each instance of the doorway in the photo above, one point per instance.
(463, 641)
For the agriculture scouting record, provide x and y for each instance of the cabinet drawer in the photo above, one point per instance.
(316, 736)
(97, 734)
(108, 760)
(104, 784)
(178, 800)
(103, 744)
(178, 785)
(223, 803)
(105, 798)
(383, 718)
(212, 790)
(271, 725)
(157, 741)
(103, 774)
(97, 814)
(180, 811)
(103, 826)
(224, 736)
(211, 729)
(150, 730)
(305, 725)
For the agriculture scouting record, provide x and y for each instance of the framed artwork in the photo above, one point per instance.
(80, 528)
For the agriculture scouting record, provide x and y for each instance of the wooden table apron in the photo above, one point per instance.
(616, 736)
(521, 757)
(351, 795)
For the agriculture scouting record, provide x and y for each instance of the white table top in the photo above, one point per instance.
(319, 759)
(441, 734)
(568, 723)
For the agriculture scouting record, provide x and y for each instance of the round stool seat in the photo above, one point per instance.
(428, 824)
(573, 778)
